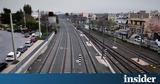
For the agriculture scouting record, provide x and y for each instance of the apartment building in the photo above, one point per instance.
(136, 22)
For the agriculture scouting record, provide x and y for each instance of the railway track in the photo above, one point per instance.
(143, 56)
(128, 64)
(57, 65)
(146, 57)
(137, 53)
(46, 65)
(64, 55)
(49, 65)
(89, 55)
(82, 58)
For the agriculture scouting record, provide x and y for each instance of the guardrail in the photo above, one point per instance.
(23, 65)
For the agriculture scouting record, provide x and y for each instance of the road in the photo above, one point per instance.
(6, 43)
(126, 51)
(70, 51)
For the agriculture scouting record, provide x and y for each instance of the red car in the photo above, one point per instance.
(33, 39)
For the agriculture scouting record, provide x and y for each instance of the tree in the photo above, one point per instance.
(6, 16)
(103, 22)
(51, 14)
(110, 24)
(27, 9)
(67, 14)
(6, 10)
(18, 16)
(153, 25)
(32, 25)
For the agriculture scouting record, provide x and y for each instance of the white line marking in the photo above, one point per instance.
(101, 61)
(80, 32)
(114, 47)
(86, 37)
(79, 55)
(77, 61)
(110, 67)
(95, 48)
(88, 44)
(82, 35)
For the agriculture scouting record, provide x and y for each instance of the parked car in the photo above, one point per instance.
(28, 43)
(33, 34)
(22, 49)
(157, 42)
(3, 65)
(139, 40)
(136, 37)
(26, 35)
(33, 39)
(10, 56)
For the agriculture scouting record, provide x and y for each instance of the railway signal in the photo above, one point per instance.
(105, 53)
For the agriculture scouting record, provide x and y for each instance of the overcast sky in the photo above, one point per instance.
(98, 6)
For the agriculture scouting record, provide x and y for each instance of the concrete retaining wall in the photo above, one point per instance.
(42, 48)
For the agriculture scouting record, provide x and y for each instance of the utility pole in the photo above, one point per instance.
(89, 25)
(47, 27)
(103, 40)
(114, 40)
(12, 31)
(39, 24)
(142, 27)
(103, 50)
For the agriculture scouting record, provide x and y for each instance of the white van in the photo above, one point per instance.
(10, 56)
(157, 42)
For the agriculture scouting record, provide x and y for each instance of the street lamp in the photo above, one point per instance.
(103, 49)
(39, 24)
(12, 31)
